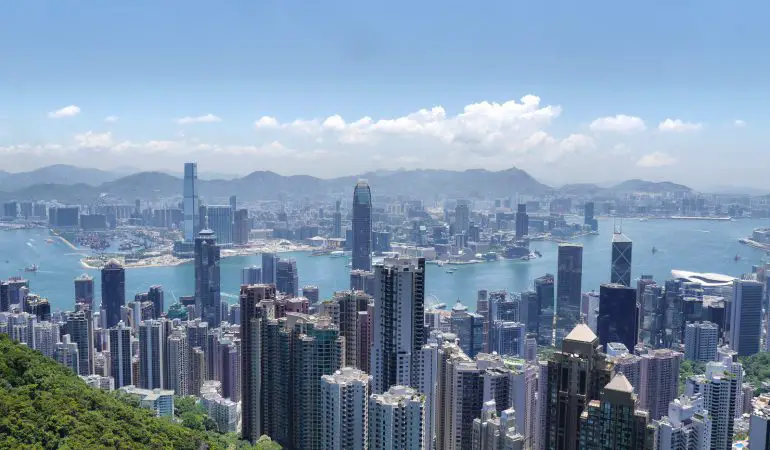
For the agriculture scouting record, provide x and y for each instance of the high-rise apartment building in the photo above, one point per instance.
(80, 329)
(251, 357)
(568, 289)
(84, 289)
(46, 337)
(191, 211)
(362, 227)
(348, 305)
(152, 345)
(113, 291)
(120, 355)
(220, 221)
(721, 390)
(496, 432)
(759, 429)
(746, 317)
(207, 288)
(399, 321)
(620, 271)
(66, 354)
(179, 363)
(397, 419)
(618, 319)
(686, 427)
(362, 280)
(659, 383)
(344, 407)
(701, 341)
(286, 277)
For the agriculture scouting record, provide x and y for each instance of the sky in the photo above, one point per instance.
(570, 91)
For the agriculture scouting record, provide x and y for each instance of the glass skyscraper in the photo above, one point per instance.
(207, 293)
(568, 289)
(113, 291)
(190, 201)
(621, 259)
(618, 319)
(362, 226)
(220, 221)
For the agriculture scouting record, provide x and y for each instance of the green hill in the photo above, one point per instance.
(45, 405)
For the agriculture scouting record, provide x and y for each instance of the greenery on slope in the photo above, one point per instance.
(687, 369)
(757, 368)
(45, 405)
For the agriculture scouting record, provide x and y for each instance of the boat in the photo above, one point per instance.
(49, 241)
(337, 254)
(538, 254)
(654, 250)
(738, 257)
(450, 271)
(32, 268)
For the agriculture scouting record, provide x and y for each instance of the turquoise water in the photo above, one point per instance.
(704, 246)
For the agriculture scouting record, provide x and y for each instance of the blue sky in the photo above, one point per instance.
(600, 80)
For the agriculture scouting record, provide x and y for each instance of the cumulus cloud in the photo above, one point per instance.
(208, 118)
(677, 125)
(620, 123)
(91, 140)
(111, 119)
(266, 122)
(739, 123)
(576, 142)
(67, 111)
(656, 159)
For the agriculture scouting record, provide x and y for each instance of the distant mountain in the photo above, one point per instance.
(637, 185)
(56, 174)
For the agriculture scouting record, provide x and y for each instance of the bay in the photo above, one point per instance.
(701, 246)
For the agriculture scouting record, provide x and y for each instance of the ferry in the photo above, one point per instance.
(450, 271)
(337, 254)
(32, 268)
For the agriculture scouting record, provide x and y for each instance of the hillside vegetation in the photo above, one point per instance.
(45, 405)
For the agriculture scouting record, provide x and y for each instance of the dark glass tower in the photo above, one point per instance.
(286, 277)
(362, 226)
(155, 295)
(618, 319)
(84, 289)
(337, 226)
(568, 289)
(544, 292)
(522, 221)
(621, 260)
(269, 263)
(113, 291)
(207, 294)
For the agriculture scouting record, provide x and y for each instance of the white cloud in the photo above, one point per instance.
(91, 140)
(620, 123)
(266, 122)
(67, 111)
(677, 125)
(739, 123)
(620, 149)
(576, 142)
(111, 119)
(208, 118)
(656, 159)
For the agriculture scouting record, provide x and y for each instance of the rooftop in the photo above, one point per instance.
(619, 383)
(581, 333)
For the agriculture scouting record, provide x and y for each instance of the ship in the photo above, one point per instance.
(32, 268)
(654, 250)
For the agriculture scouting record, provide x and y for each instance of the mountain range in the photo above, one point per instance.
(77, 185)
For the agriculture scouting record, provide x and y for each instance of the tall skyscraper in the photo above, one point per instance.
(241, 226)
(522, 221)
(120, 354)
(397, 419)
(251, 357)
(686, 427)
(568, 291)
(613, 422)
(493, 431)
(701, 341)
(155, 295)
(588, 216)
(618, 319)
(348, 304)
(721, 391)
(469, 328)
(207, 289)
(576, 375)
(337, 222)
(179, 363)
(362, 227)
(286, 277)
(344, 407)
(746, 317)
(84, 289)
(620, 272)
(544, 292)
(659, 381)
(113, 291)
(152, 345)
(46, 337)
(399, 321)
(191, 211)
(251, 275)
(507, 338)
(462, 217)
(269, 263)
(80, 328)
(220, 221)
(66, 354)
(759, 431)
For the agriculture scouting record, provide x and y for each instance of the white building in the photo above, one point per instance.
(493, 432)
(701, 341)
(66, 353)
(659, 381)
(721, 392)
(221, 410)
(46, 337)
(687, 426)
(161, 401)
(99, 382)
(397, 419)
(344, 398)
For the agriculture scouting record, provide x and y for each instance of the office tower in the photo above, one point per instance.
(155, 295)
(344, 407)
(397, 419)
(207, 291)
(659, 381)
(618, 319)
(588, 216)
(179, 363)
(759, 429)
(80, 330)
(220, 221)
(251, 275)
(39, 307)
(152, 343)
(66, 353)
(269, 262)
(613, 422)
(701, 341)
(241, 226)
(469, 328)
(721, 392)
(399, 320)
(251, 357)
(337, 222)
(746, 317)
(496, 432)
(191, 220)
(686, 427)
(507, 338)
(46, 337)
(568, 290)
(286, 277)
(16, 286)
(576, 374)
(113, 291)
(84, 290)
(120, 354)
(482, 308)
(505, 307)
(620, 270)
(311, 294)
(462, 217)
(544, 290)
(5, 301)
(522, 221)
(362, 227)
(362, 280)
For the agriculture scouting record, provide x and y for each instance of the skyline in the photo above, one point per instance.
(343, 89)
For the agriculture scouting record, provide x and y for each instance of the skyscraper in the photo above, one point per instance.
(469, 328)
(568, 291)
(191, 211)
(251, 275)
(620, 272)
(220, 221)
(286, 277)
(496, 432)
(241, 226)
(746, 317)
(618, 319)
(397, 419)
(113, 292)
(179, 363)
(344, 406)
(362, 227)
(84, 289)
(152, 343)
(207, 290)
(522, 221)
(507, 338)
(588, 216)
(80, 329)
(251, 357)
(462, 217)
(687, 425)
(269, 263)
(721, 392)
(659, 381)
(544, 292)
(348, 305)
(155, 295)
(398, 327)
(66, 354)
(120, 354)
(337, 223)
(701, 341)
